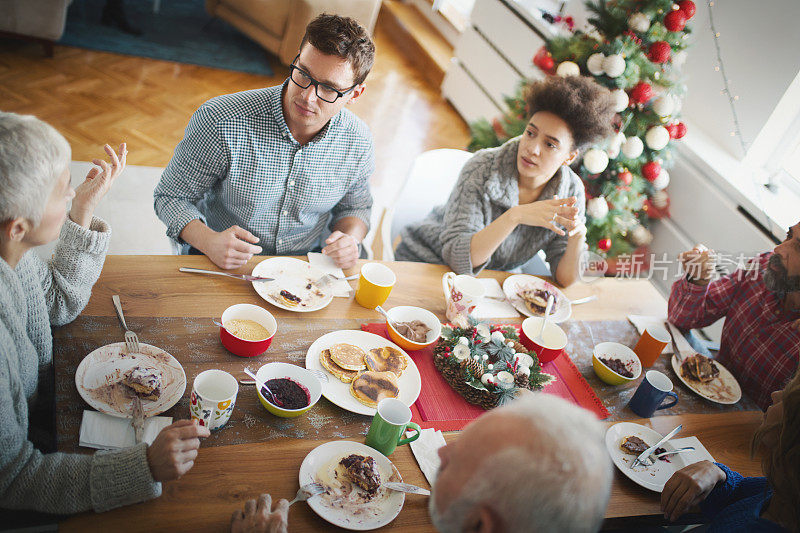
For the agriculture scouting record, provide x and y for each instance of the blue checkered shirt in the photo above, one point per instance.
(238, 164)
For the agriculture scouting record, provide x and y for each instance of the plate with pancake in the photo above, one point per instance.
(364, 368)
(352, 473)
(708, 378)
(107, 378)
(651, 477)
(528, 294)
(293, 288)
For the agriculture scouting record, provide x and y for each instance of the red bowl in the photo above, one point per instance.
(553, 343)
(242, 347)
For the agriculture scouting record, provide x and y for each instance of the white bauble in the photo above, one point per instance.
(621, 100)
(679, 58)
(615, 145)
(461, 352)
(594, 63)
(497, 336)
(524, 370)
(657, 137)
(523, 360)
(661, 181)
(660, 199)
(463, 340)
(505, 379)
(639, 22)
(640, 236)
(597, 207)
(595, 161)
(614, 65)
(487, 379)
(633, 147)
(568, 68)
(483, 331)
(664, 105)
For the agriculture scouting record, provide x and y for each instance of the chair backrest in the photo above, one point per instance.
(429, 183)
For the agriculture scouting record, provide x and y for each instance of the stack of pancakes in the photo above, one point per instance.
(372, 376)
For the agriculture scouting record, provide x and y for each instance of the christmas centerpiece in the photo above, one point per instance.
(487, 365)
(636, 48)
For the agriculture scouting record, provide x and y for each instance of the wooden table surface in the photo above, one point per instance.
(151, 287)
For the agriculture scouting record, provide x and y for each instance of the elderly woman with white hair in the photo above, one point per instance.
(34, 193)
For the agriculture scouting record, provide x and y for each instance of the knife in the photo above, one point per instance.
(407, 487)
(137, 420)
(645, 454)
(245, 277)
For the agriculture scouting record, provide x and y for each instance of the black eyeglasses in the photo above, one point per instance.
(325, 92)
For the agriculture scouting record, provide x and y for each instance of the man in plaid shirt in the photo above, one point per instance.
(281, 166)
(761, 337)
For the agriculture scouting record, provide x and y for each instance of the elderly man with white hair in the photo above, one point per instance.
(538, 464)
(35, 191)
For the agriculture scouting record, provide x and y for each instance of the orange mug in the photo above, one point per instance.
(374, 285)
(651, 344)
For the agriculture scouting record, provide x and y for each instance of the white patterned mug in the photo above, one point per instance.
(213, 396)
(462, 294)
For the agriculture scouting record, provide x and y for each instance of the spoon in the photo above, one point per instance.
(261, 385)
(547, 310)
(382, 311)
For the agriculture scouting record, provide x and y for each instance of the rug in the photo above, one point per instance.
(179, 32)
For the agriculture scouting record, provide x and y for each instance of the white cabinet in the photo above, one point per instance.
(492, 56)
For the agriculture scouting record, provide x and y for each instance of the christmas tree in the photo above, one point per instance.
(635, 48)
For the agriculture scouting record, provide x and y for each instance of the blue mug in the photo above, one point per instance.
(651, 392)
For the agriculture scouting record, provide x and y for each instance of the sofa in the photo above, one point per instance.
(279, 25)
(35, 20)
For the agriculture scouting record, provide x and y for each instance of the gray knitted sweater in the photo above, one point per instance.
(487, 187)
(33, 296)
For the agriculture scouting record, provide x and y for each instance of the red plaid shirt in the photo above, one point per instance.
(760, 342)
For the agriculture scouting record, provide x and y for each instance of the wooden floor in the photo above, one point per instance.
(98, 97)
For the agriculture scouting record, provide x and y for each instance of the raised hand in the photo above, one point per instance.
(97, 183)
(549, 214)
(699, 263)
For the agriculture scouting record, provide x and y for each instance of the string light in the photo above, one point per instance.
(737, 132)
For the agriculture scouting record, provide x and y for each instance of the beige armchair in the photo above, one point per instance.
(279, 25)
(34, 20)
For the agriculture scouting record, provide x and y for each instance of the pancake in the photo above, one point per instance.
(386, 359)
(633, 445)
(371, 387)
(341, 373)
(348, 356)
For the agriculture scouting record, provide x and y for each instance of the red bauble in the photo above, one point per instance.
(688, 8)
(651, 170)
(604, 244)
(543, 60)
(680, 130)
(675, 20)
(547, 64)
(625, 177)
(659, 52)
(641, 93)
(672, 129)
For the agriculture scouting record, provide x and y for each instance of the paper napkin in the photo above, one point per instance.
(640, 322)
(106, 432)
(493, 307)
(426, 452)
(326, 265)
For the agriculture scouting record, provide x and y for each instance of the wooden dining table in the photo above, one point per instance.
(257, 452)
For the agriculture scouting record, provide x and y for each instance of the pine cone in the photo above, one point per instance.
(519, 347)
(474, 367)
(522, 381)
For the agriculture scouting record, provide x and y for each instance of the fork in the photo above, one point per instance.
(307, 491)
(652, 459)
(329, 279)
(131, 340)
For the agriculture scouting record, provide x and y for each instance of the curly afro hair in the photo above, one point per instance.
(586, 106)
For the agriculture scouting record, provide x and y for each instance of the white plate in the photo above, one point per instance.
(338, 392)
(562, 308)
(292, 275)
(107, 364)
(650, 477)
(701, 390)
(386, 507)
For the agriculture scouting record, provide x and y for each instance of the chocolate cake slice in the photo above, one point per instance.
(363, 472)
(633, 445)
(144, 381)
(699, 368)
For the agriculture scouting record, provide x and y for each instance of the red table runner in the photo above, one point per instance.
(440, 407)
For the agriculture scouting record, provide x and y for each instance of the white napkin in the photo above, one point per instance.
(106, 432)
(426, 452)
(490, 307)
(640, 322)
(698, 454)
(326, 265)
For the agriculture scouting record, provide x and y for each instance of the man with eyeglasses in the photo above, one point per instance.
(275, 170)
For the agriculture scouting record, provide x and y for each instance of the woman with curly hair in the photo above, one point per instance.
(732, 502)
(521, 197)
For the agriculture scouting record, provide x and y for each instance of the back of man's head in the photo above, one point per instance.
(343, 37)
(548, 470)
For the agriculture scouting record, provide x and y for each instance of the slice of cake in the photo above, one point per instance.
(363, 472)
(145, 381)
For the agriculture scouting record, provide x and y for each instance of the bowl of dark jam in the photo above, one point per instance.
(295, 389)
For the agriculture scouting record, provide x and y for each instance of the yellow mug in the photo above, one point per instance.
(374, 285)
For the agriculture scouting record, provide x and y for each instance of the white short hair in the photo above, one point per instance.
(560, 481)
(32, 157)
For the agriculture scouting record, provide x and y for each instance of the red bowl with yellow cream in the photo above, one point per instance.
(240, 346)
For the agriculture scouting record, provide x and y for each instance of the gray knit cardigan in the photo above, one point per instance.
(34, 296)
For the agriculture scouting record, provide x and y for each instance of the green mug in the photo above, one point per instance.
(388, 425)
